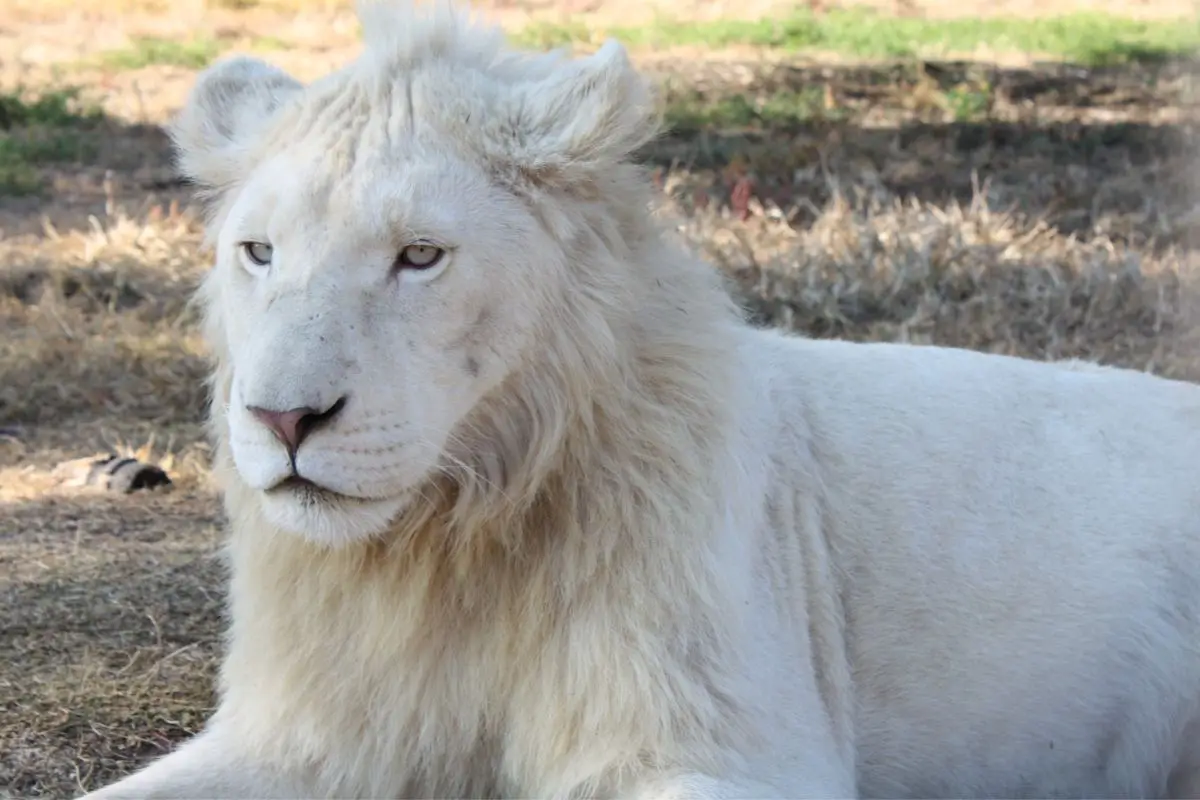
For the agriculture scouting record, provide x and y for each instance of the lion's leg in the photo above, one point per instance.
(207, 766)
(694, 786)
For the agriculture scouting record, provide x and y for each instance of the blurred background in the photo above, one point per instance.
(1014, 176)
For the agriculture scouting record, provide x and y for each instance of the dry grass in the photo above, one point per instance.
(1046, 213)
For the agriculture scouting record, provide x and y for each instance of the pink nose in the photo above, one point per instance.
(293, 426)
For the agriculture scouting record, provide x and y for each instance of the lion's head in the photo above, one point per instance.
(423, 263)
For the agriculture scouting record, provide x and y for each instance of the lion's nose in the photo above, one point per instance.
(293, 426)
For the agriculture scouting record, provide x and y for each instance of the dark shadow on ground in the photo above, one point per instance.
(1109, 150)
(89, 165)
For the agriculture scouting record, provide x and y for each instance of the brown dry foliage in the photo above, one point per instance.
(1063, 226)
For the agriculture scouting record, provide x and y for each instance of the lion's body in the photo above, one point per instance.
(574, 528)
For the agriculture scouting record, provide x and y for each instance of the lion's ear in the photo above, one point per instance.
(229, 102)
(585, 117)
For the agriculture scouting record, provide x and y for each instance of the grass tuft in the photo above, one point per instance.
(269, 44)
(53, 127)
(690, 112)
(148, 51)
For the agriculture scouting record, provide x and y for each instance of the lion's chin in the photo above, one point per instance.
(325, 517)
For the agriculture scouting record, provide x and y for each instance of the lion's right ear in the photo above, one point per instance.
(229, 103)
(583, 119)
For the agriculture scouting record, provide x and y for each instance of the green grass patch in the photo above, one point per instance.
(968, 103)
(58, 108)
(47, 128)
(269, 44)
(148, 51)
(1086, 38)
(688, 111)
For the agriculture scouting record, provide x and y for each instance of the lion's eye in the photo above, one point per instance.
(419, 256)
(258, 253)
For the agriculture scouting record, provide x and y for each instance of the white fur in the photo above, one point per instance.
(597, 536)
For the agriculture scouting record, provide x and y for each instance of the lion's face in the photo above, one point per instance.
(390, 246)
(366, 315)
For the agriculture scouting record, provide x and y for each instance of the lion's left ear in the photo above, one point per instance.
(228, 104)
(584, 118)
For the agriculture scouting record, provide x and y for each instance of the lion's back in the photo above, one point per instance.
(1015, 547)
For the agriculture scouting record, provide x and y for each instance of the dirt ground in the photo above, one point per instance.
(1055, 216)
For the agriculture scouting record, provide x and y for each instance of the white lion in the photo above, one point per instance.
(520, 506)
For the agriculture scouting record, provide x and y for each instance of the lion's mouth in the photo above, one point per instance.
(307, 492)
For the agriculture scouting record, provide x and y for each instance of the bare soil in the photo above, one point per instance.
(1061, 220)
